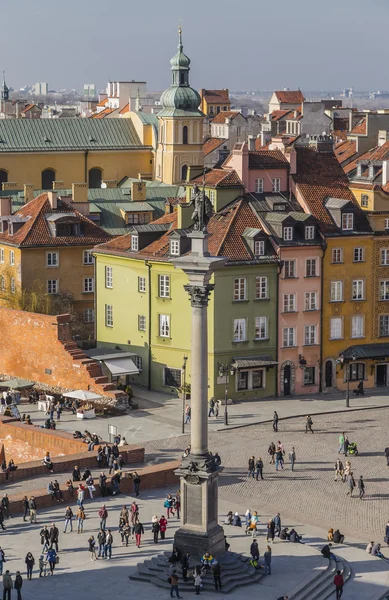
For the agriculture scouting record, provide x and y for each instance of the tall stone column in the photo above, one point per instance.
(198, 473)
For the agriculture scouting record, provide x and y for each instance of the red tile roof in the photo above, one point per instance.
(29, 107)
(211, 145)
(225, 114)
(103, 113)
(102, 102)
(215, 96)
(290, 96)
(345, 150)
(267, 159)
(360, 127)
(258, 146)
(36, 231)
(125, 109)
(320, 176)
(339, 135)
(218, 178)
(276, 115)
(377, 153)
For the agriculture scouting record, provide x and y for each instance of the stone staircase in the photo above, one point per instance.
(320, 585)
(236, 572)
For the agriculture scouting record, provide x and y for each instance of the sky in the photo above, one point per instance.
(245, 44)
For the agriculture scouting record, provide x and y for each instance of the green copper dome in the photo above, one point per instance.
(180, 99)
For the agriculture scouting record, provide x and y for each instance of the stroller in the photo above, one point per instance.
(352, 449)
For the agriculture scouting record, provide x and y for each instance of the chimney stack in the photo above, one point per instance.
(53, 199)
(28, 192)
(58, 185)
(5, 207)
(79, 192)
(251, 143)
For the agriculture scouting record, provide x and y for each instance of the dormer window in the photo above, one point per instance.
(134, 243)
(259, 248)
(288, 234)
(364, 200)
(347, 221)
(175, 247)
(310, 232)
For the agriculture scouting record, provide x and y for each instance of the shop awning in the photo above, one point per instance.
(251, 362)
(365, 351)
(82, 395)
(16, 384)
(121, 366)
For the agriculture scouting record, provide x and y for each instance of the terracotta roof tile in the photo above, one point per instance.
(294, 114)
(102, 114)
(29, 107)
(258, 146)
(360, 127)
(276, 115)
(377, 153)
(219, 178)
(290, 96)
(211, 145)
(102, 102)
(125, 109)
(225, 114)
(215, 96)
(36, 231)
(267, 159)
(340, 135)
(345, 150)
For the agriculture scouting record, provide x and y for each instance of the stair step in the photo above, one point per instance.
(307, 587)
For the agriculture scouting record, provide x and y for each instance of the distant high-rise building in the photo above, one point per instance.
(40, 89)
(89, 90)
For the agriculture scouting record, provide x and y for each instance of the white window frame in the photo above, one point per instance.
(49, 259)
(347, 221)
(240, 289)
(289, 304)
(364, 200)
(359, 254)
(259, 185)
(309, 232)
(336, 328)
(261, 328)
(259, 248)
(337, 253)
(88, 285)
(276, 185)
(384, 290)
(311, 269)
(134, 243)
(310, 302)
(87, 258)
(13, 285)
(164, 286)
(175, 247)
(142, 284)
(108, 315)
(384, 257)
(52, 286)
(310, 335)
(336, 291)
(240, 330)
(12, 258)
(287, 234)
(289, 337)
(139, 363)
(287, 269)
(109, 277)
(164, 325)
(212, 196)
(2, 255)
(384, 319)
(141, 323)
(358, 290)
(244, 380)
(261, 288)
(357, 326)
(88, 315)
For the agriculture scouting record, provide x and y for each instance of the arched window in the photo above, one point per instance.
(3, 176)
(48, 176)
(95, 177)
(182, 78)
(184, 172)
(185, 135)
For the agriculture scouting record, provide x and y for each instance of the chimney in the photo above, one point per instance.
(28, 192)
(251, 143)
(58, 185)
(385, 172)
(10, 185)
(138, 191)
(5, 207)
(52, 197)
(109, 183)
(382, 137)
(79, 192)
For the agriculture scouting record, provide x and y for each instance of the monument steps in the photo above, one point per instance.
(321, 584)
(236, 573)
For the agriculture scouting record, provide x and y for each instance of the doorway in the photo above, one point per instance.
(381, 375)
(328, 374)
(287, 377)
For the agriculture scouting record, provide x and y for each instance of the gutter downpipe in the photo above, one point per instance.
(148, 265)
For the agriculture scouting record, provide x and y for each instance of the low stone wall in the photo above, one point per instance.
(157, 476)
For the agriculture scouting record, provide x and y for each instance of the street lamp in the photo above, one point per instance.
(184, 394)
(224, 371)
(347, 362)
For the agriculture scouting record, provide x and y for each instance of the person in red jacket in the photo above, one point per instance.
(162, 526)
(338, 583)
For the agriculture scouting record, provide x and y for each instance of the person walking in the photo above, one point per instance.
(346, 470)
(136, 480)
(173, 580)
(68, 519)
(2, 560)
(53, 537)
(168, 504)
(346, 444)
(103, 514)
(30, 562)
(187, 414)
(26, 509)
(5, 506)
(185, 564)
(259, 468)
(351, 484)
(80, 516)
(341, 443)
(103, 484)
(254, 550)
(7, 586)
(45, 538)
(267, 559)
(18, 585)
(251, 467)
(101, 542)
(308, 424)
(292, 458)
(361, 487)
(216, 409)
(51, 558)
(271, 451)
(138, 531)
(177, 503)
(275, 422)
(338, 583)
(32, 509)
(338, 469)
(162, 526)
(92, 547)
(42, 566)
(277, 524)
(211, 407)
(134, 510)
(270, 530)
(279, 458)
(198, 582)
(155, 530)
(126, 533)
(108, 545)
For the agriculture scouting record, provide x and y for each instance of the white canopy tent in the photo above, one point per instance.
(82, 395)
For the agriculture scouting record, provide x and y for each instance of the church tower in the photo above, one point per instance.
(180, 132)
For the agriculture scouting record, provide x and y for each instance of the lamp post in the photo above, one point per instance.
(184, 394)
(224, 371)
(347, 362)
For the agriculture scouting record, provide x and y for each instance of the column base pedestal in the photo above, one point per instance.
(197, 543)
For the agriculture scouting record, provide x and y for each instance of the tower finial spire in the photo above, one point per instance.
(180, 45)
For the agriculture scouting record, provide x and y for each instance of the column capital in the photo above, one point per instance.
(199, 294)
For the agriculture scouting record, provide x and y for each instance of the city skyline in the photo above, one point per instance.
(249, 49)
